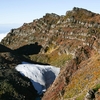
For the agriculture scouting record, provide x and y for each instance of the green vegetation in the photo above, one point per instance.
(97, 86)
(54, 60)
(60, 61)
(41, 58)
(6, 89)
(80, 97)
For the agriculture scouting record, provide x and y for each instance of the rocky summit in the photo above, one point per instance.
(70, 42)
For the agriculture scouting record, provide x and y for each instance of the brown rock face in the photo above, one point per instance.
(71, 41)
(58, 88)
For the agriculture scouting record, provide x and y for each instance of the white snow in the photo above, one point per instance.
(41, 76)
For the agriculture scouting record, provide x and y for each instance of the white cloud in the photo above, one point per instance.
(2, 35)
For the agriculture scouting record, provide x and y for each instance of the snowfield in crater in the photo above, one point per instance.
(41, 76)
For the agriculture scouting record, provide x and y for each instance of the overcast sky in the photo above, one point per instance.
(20, 11)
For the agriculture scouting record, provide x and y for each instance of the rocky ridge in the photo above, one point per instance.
(70, 41)
(12, 85)
(60, 34)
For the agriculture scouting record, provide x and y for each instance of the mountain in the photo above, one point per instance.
(13, 86)
(71, 42)
(57, 37)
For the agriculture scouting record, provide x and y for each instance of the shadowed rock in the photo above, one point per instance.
(29, 49)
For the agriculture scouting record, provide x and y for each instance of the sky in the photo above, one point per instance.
(17, 12)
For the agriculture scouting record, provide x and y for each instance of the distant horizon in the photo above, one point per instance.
(2, 35)
(4, 28)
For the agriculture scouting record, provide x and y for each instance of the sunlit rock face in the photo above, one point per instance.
(41, 76)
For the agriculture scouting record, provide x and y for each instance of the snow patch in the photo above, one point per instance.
(41, 76)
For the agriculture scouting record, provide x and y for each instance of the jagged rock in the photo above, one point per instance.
(12, 85)
(97, 95)
(90, 95)
(59, 37)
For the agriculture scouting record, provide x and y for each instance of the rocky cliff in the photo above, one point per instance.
(70, 41)
(12, 85)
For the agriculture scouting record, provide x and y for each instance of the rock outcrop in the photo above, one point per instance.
(12, 85)
(62, 35)
(70, 41)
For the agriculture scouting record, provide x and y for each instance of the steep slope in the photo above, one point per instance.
(57, 36)
(12, 85)
(59, 89)
(71, 41)
(86, 78)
